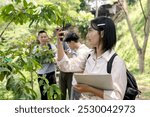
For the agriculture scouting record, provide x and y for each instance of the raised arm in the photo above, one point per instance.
(60, 49)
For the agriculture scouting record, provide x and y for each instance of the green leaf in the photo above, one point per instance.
(31, 23)
(7, 9)
(25, 4)
(4, 69)
(2, 76)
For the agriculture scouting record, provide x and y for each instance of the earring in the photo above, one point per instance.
(102, 34)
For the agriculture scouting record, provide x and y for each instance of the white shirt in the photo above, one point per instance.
(81, 51)
(99, 65)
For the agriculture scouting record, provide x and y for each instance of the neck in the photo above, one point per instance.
(99, 51)
(42, 44)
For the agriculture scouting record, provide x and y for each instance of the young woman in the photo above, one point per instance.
(102, 38)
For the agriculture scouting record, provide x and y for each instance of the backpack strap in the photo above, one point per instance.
(109, 64)
(88, 56)
(49, 45)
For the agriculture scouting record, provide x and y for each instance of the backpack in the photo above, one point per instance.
(131, 89)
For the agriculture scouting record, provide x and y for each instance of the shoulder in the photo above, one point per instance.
(83, 46)
(52, 45)
(83, 50)
(109, 53)
(119, 61)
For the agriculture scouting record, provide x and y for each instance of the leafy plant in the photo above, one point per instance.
(52, 91)
(16, 81)
(43, 54)
(21, 88)
(18, 64)
(4, 93)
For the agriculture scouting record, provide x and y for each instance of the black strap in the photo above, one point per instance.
(49, 45)
(88, 56)
(109, 64)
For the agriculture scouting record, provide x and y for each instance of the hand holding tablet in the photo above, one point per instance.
(101, 81)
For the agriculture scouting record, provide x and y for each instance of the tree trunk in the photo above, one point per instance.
(141, 59)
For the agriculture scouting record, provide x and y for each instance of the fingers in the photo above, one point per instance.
(76, 88)
(82, 88)
(60, 34)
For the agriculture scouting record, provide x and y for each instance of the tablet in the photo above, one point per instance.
(101, 81)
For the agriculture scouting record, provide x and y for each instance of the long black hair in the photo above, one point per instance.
(107, 26)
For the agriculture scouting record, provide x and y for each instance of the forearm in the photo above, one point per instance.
(82, 88)
(60, 50)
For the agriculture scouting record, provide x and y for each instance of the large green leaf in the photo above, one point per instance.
(25, 4)
(4, 69)
(3, 73)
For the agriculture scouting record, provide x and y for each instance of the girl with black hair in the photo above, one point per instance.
(102, 38)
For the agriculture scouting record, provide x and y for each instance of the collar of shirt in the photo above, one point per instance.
(81, 46)
(106, 55)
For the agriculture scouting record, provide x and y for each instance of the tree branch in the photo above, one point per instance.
(147, 29)
(142, 10)
(130, 28)
(144, 16)
(6, 27)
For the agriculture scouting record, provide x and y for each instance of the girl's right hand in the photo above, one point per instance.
(60, 34)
